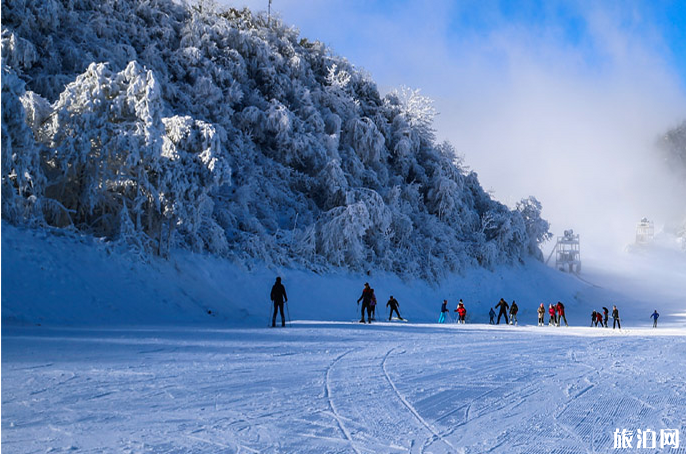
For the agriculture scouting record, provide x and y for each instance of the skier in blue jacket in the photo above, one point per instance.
(655, 316)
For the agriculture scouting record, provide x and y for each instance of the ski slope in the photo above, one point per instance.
(338, 388)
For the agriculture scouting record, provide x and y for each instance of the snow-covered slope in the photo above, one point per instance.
(326, 388)
(70, 279)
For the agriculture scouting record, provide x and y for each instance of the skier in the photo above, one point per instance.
(366, 299)
(373, 305)
(655, 317)
(541, 315)
(393, 304)
(615, 318)
(503, 310)
(278, 296)
(513, 313)
(461, 311)
(553, 319)
(491, 315)
(594, 319)
(561, 313)
(606, 311)
(444, 311)
(599, 319)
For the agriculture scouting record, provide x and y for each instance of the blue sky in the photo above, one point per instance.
(563, 100)
(348, 25)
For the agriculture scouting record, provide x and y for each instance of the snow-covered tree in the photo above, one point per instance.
(159, 124)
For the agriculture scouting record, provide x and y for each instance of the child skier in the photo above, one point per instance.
(553, 319)
(513, 313)
(491, 315)
(461, 311)
(373, 306)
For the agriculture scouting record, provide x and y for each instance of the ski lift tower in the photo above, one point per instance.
(568, 254)
(645, 231)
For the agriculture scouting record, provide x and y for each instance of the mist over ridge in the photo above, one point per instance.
(564, 100)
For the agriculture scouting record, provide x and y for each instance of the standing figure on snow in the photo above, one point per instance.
(513, 313)
(278, 296)
(503, 310)
(393, 304)
(366, 299)
(491, 315)
(606, 311)
(655, 316)
(444, 311)
(561, 313)
(373, 305)
(615, 318)
(461, 312)
(599, 319)
(594, 319)
(553, 319)
(541, 315)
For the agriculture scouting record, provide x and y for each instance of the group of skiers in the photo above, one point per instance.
(556, 314)
(600, 318)
(368, 298)
(445, 312)
(505, 308)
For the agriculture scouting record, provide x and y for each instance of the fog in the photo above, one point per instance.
(565, 103)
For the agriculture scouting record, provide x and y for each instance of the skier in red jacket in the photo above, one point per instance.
(461, 311)
(553, 317)
(561, 313)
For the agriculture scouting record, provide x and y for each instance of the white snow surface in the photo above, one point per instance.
(104, 354)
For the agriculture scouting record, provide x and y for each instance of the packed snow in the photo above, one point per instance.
(104, 354)
(339, 387)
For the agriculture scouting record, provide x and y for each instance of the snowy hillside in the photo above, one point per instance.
(74, 280)
(160, 126)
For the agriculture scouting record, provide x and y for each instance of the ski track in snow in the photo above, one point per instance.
(336, 388)
(335, 413)
(413, 410)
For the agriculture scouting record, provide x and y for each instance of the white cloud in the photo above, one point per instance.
(571, 121)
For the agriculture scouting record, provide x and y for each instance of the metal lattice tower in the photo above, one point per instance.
(645, 231)
(568, 253)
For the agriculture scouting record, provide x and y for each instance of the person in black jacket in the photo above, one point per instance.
(503, 311)
(366, 298)
(278, 296)
(615, 318)
(606, 311)
(513, 313)
(393, 304)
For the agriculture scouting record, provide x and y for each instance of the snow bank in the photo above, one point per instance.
(69, 279)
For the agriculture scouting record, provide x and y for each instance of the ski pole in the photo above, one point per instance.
(288, 312)
(269, 316)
